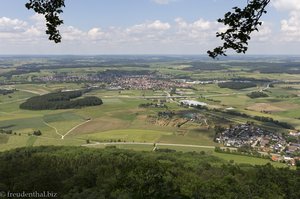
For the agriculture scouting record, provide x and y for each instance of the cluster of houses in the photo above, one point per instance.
(261, 140)
(146, 83)
(143, 80)
(250, 135)
(202, 82)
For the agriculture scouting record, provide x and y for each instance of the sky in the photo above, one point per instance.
(144, 27)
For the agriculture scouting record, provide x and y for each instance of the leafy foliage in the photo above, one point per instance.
(258, 118)
(37, 133)
(51, 10)
(271, 120)
(257, 94)
(4, 131)
(6, 92)
(241, 23)
(76, 172)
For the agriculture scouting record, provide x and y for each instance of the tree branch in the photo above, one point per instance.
(51, 10)
(241, 23)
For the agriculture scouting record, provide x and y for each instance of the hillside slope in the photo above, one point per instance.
(77, 172)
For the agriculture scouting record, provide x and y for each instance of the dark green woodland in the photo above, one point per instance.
(75, 172)
(60, 100)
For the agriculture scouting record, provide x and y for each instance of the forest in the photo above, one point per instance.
(6, 92)
(74, 172)
(60, 100)
(236, 85)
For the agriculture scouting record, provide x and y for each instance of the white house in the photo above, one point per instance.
(192, 103)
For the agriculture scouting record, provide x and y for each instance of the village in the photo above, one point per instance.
(116, 80)
(262, 141)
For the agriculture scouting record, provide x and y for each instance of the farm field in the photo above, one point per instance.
(227, 157)
(128, 114)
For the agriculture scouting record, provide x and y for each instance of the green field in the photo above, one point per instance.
(121, 119)
(239, 159)
(129, 135)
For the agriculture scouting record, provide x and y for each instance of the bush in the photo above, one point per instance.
(257, 94)
(37, 133)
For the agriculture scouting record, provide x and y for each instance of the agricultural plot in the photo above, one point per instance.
(247, 160)
(3, 139)
(128, 135)
(120, 117)
(14, 141)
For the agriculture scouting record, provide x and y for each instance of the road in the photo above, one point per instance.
(72, 129)
(148, 143)
(75, 127)
(155, 145)
(53, 127)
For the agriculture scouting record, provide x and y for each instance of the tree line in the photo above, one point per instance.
(261, 119)
(60, 100)
(237, 85)
(6, 91)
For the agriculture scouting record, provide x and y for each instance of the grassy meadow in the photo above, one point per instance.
(120, 119)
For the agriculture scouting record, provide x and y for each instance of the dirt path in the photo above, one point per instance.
(148, 143)
(53, 127)
(72, 129)
(75, 127)
(30, 91)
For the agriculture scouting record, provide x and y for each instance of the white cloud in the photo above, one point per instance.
(158, 25)
(33, 31)
(200, 29)
(202, 24)
(162, 1)
(264, 33)
(155, 26)
(11, 25)
(71, 33)
(38, 19)
(286, 5)
(96, 34)
(290, 28)
(144, 37)
(179, 36)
